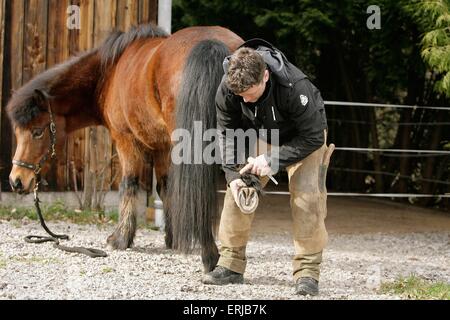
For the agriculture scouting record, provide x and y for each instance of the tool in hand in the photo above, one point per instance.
(250, 161)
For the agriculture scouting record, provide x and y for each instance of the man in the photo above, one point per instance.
(261, 89)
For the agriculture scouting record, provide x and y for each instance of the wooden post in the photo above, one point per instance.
(148, 11)
(165, 15)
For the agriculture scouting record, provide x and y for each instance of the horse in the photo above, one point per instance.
(140, 85)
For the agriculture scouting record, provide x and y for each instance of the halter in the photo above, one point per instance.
(51, 151)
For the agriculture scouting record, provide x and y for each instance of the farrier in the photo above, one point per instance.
(262, 89)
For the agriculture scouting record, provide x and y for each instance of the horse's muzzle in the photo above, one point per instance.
(17, 186)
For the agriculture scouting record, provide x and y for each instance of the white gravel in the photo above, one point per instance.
(353, 267)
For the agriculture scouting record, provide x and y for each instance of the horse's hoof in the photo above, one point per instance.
(248, 200)
(118, 243)
(210, 259)
(211, 264)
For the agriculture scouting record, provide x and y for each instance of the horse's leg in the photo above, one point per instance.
(131, 161)
(161, 162)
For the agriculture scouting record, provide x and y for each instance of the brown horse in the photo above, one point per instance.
(141, 85)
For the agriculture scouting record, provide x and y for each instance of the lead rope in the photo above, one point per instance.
(93, 253)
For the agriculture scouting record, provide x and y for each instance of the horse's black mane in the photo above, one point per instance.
(24, 107)
(113, 47)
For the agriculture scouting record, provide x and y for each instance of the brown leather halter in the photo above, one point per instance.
(50, 152)
(94, 253)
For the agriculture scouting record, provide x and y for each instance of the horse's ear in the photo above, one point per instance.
(42, 95)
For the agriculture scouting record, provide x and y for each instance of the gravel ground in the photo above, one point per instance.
(353, 266)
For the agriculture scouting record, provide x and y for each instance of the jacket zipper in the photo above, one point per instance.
(256, 111)
(273, 112)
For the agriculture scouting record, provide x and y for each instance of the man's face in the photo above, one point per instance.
(254, 93)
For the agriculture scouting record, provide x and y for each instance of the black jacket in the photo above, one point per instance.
(290, 103)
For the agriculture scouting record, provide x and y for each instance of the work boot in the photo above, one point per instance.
(221, 276)
(307, 286)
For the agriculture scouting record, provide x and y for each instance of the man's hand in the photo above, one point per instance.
(258, 166)
(235, 185)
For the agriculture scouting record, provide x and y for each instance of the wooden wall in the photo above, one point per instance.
(33, 38)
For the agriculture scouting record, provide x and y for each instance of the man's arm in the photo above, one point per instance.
(228, 118)
(306, 108)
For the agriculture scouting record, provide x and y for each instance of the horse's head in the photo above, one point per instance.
(39, 133)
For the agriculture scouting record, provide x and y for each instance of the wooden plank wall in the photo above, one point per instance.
(34, 37)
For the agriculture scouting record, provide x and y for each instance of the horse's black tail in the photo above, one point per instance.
(192, 201)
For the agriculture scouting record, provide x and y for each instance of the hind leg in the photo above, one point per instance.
(131, 161)
(161, 161)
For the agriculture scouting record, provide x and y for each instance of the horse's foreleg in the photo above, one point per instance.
(130, 159)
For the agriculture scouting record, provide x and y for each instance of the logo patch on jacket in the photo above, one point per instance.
(303, 99)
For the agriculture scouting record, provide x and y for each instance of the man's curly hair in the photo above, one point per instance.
(246, 69)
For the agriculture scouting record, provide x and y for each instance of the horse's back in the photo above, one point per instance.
(127, 88)
(143, 88)
(172, 55)
(173, 52)
(192, 35)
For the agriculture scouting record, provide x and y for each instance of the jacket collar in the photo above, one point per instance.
(266, 99)
(285, 73)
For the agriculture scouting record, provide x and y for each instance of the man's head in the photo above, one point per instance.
(247, 74)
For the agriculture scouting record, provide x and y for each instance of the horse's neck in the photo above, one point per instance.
(76, 92)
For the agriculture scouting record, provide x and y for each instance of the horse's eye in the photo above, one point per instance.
(37, 133)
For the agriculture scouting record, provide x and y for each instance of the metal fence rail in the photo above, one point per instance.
(356, 194)
(396, 152)
(381, 105)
